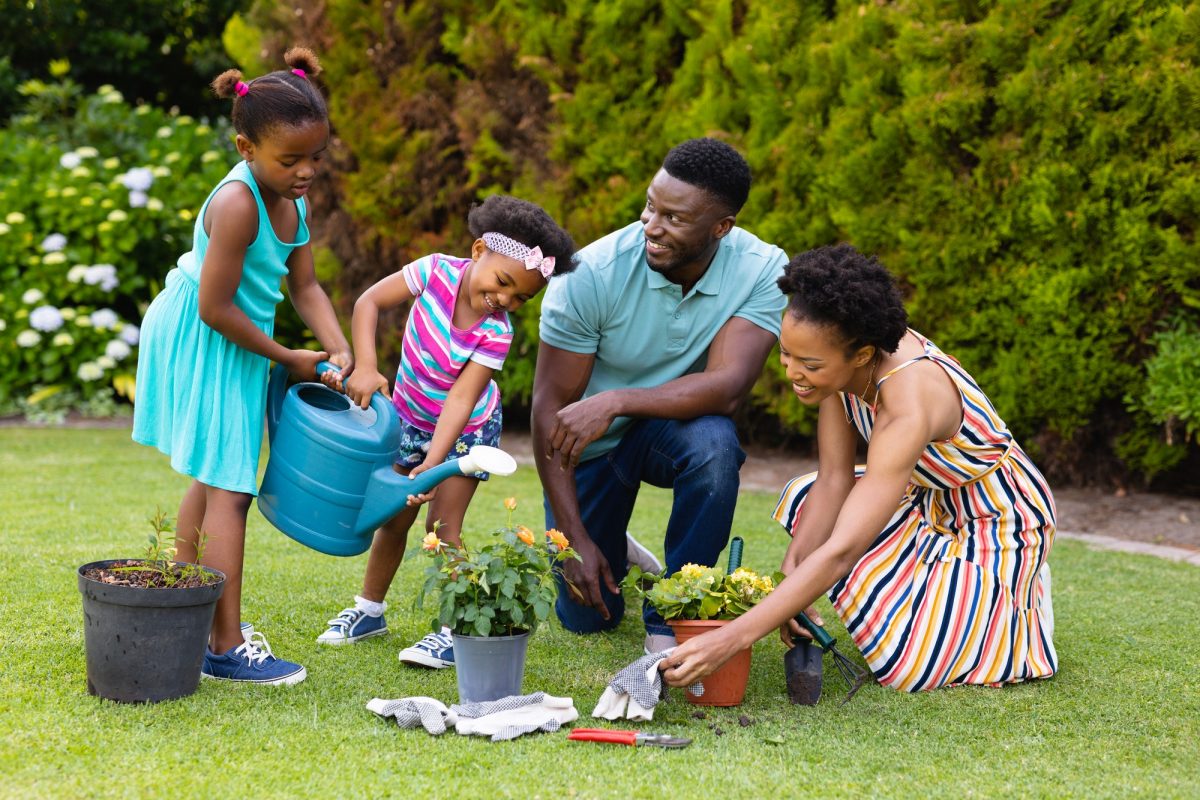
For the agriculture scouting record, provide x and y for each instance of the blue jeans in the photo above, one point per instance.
(699, 459)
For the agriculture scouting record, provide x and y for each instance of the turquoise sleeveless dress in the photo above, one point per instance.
(200, 398)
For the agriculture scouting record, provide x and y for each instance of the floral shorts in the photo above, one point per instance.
(414, 442)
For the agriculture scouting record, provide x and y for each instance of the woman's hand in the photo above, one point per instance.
(364, 383)
(697, 657)
(789, 631)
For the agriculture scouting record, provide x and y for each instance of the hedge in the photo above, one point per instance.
(1028, 169)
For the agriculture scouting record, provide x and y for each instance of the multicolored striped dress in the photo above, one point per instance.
(956, 589)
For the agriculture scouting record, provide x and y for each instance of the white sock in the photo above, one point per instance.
(371, 608)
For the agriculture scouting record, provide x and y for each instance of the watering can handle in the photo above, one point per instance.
(379, 401)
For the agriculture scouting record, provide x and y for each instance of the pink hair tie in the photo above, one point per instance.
(241, 88)
(299, 72)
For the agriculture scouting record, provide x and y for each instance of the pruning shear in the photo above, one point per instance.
(632, 738)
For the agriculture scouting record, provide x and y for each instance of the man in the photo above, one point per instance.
(646, 350)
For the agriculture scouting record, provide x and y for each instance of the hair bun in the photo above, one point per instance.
(303, 58)
(225, 84)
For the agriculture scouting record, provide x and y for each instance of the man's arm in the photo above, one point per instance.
(560, 379)
(735, 360)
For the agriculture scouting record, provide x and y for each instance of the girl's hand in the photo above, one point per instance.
(303, 363)
(418, 499)
(364, 383)
(344, 361)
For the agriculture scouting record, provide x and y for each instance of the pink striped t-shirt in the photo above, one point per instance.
(434, 352)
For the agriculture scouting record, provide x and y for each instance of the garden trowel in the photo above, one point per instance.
(804, 669)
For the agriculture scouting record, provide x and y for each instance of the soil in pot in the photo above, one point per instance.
(726, 686)
(145, 644)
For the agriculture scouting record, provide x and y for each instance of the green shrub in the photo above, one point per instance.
(1171, 395)
(1027, 170)
(97, 201)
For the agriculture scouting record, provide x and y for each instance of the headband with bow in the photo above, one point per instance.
(532, 257)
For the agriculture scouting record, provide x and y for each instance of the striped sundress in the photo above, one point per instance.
(956, 589)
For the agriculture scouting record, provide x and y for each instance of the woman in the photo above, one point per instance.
(935, 554)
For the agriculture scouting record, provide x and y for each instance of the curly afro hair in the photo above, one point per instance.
(838, 286)
(526, 223)
(713, 166)
(277, 99)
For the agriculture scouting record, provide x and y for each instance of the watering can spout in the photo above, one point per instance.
(388, 491)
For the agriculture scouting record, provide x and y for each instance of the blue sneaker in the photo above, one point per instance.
(252, 662)
(436, 651)
(353, 625)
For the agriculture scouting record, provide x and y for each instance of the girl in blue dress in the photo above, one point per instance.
(207, 342)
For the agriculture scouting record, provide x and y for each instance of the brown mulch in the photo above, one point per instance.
(133, 572)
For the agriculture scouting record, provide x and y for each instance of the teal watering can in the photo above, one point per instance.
(329, 481)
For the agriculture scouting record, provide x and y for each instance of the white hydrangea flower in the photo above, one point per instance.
(3, 325)
(117, 349)
(138, 179)
(106, 362)
(130, 334)
(160, 171)
(86, 152)
(203, 130)
(76, 273)
(87, 200)
(67, 313)
(209, 156)
(4, 228)
(117, 215)
(112, 97)
(28, 338)
(32, 296)
(172, 157)
(137, 200)
(142, 110)
(54, 258)
(102, 275)
(154, 204)
(104, 318)
(81, 172)
(164, 132)
(45, 318)
(69, 191)
(53, 243)
(15, 218)
(89, 371)
(63, 339)
(69, 160)
(111, 162)
(83, 321)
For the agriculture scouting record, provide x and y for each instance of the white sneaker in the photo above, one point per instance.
(637, 555)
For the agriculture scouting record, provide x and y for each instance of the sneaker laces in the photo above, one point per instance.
(435, 641)
(346, 619)
(255, 649)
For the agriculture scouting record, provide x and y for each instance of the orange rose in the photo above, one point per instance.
(431, 542)
(556, 536)
(511, 504)
(524, 534)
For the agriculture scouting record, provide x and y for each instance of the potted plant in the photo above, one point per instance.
(697, 599)
(147, 621)
(492, 598)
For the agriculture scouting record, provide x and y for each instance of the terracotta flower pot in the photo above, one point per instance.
(726, 686)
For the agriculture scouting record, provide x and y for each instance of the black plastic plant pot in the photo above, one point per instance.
(145, 645)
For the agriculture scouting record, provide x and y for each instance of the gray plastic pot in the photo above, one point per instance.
(489, 667)
(145, 645)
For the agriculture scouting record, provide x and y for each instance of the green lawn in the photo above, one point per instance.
(1122, 718)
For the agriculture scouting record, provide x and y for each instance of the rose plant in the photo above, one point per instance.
(696, 592)
(501, 588)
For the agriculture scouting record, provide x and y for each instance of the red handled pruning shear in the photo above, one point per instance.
(633, 738)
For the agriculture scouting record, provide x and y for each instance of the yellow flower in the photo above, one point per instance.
(431, 542)
(692, 570)
(524, 534)
(511, 503)
(558, 538)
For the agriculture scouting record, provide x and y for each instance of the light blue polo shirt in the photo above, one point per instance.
(641, 329)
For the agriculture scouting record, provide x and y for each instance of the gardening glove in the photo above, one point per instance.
(513, 716)
(412, 711)
(635, 691)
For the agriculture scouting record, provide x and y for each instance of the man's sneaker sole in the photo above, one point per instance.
(423, 660)
(287, 680)
(350, 639)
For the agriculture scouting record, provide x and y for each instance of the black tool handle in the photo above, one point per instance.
(819, 634)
